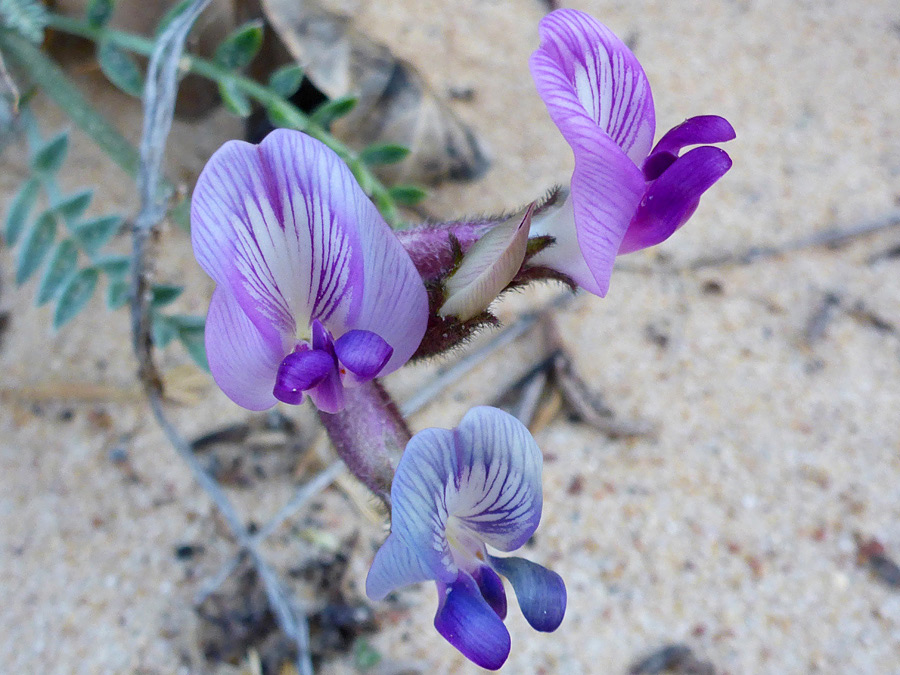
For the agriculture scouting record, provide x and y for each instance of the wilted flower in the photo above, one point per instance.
(314, 292)
(454, 492)
(623, 196)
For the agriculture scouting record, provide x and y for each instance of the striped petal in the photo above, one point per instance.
(286, 228)
(598, 95)
(242, 360)
(395, 565)
(485, 474)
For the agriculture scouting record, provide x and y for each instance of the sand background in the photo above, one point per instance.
(731, 530)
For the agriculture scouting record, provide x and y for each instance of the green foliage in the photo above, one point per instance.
(173, 13)
(73, 206)
(241, 46)
(94, 234)
(72, 267)
(27, 17)
(286, 80)
(332, 110)
(384, 153)
(17, 216)
(120, 68)
(99, 12)
(234, 100)
(75, 295)
(61, 267)
(408, 195)
(49, 157)
(37, 244)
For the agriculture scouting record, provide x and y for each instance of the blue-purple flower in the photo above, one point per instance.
(624, 197)
(314, 292)
(456, 491)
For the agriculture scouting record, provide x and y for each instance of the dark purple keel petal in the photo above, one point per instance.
(300, 371)
(491, 587)
(541, 592)
(242, 360)
(674, 196)
(468, 623)
(700, 130)
(328, 395)
(363, 353)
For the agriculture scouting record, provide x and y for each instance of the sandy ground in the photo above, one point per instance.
(731, 530)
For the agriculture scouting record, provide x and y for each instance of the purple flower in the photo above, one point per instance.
(454, 492)
(624, 197)
(314, 292)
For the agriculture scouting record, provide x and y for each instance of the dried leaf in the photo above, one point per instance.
(394, 103)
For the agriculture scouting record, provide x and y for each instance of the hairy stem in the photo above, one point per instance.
(369, 435)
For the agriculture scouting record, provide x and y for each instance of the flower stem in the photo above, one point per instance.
(369, 434)
(289, 115)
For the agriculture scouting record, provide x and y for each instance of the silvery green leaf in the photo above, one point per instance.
(38, 241)
(120, 68)
(162, 330)
(114, 266)
(19, 209)
(285, 116)
(99, 12)
(286, 80)
(71, 207)
(329, 111)
(59, 270)
(26, 17)
(94, 234)
(117, 293)
(407, 195)
(384, 153)
(165, 294)
(235, 101)
(241, 46)
(51, 155)
(75, 295)
(191, 331)
(176, 10)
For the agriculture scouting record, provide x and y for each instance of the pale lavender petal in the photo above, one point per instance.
(541, 592)
(363, 353)
(422, 481)
(468, 623)
(498, 478)
(328, 395)
(606, 184)
(585, 69)
(299, 371)
(491, 587)
(395, 565)
(243, 362)
(287, 228)
(674, 197)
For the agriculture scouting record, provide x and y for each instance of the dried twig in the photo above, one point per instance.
(159, 101)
